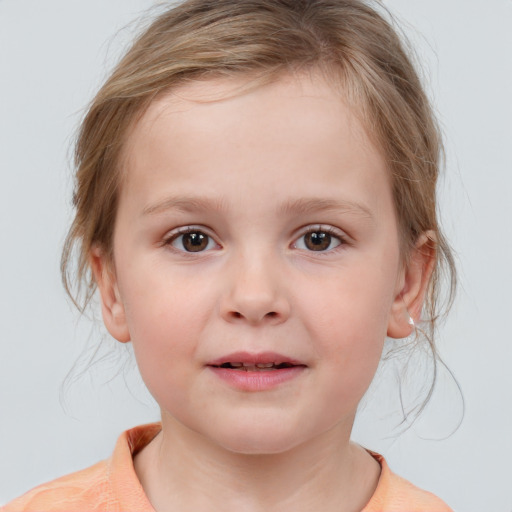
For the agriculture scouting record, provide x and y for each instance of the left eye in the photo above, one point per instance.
(192, 241)
(318, 240)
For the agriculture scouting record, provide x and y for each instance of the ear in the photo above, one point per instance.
(112, 307)
(412, 287)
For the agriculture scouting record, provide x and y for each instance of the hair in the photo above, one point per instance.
(350, 41)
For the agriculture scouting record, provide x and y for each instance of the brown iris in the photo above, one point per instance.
(317, 240)
(195, 241)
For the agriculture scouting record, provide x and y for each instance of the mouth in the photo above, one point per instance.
(264, 371)
(255, 367)
(262, 362)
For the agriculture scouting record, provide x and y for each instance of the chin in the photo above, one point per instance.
(259, 438)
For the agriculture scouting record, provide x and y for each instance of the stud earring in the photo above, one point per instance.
(411, 321)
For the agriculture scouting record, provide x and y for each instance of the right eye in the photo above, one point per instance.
(191, 240)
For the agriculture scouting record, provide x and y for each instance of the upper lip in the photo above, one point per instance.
(255, 358)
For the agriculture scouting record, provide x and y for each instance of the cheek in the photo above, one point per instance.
(164, 317)
(348, 318)
(351, 309)
(161, 304)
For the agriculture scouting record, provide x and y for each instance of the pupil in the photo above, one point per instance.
(318, 241)
(194, 242)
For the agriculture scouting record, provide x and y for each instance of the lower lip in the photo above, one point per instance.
(262, 380)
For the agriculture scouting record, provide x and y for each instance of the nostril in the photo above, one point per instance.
(270, 314)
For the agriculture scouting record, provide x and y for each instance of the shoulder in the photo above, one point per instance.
(395, 494)
(111, 485)
(87, 489)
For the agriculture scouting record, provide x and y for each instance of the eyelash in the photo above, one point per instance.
(168, 241)
(333, 233)
(328, 230)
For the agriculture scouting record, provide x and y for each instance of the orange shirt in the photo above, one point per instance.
(112, 485)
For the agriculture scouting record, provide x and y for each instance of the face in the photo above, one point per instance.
(256, 262)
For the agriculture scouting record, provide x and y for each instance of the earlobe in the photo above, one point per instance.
(112, 307)
(408, 302)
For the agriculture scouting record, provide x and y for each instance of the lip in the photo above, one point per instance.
(256, 358)
(259, 380)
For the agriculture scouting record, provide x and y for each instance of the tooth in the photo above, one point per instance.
(236, 365)
(264, 365)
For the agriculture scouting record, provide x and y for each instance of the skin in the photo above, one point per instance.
(255, 159)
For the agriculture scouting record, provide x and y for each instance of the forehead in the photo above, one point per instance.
(205, 107)
(297, 129)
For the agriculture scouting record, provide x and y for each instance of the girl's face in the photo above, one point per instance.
(252, 230)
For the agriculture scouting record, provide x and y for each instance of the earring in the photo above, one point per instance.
(411, 321)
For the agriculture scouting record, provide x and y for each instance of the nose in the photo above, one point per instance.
(255, 293)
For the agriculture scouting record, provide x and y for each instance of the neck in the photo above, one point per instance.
(182, 470)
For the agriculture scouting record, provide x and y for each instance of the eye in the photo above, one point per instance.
(319, 240)
(191, 240)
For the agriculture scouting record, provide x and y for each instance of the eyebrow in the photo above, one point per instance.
(185, 204)
(302, 206)
(313, 205)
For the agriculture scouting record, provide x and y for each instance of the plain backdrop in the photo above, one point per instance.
(53, 56)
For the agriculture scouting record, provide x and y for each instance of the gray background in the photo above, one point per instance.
(53, 55)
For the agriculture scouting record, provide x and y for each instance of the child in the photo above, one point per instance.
(255, 202)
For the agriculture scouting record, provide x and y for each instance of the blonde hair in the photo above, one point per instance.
(348, 40)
